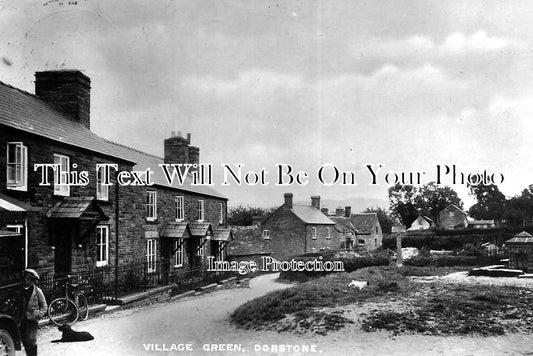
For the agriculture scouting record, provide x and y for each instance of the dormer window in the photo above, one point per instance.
(17, 166)
(266, 234)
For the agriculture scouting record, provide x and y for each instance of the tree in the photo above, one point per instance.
(408, 202)
(433, 199)
(402, 203)
(519, 209)
(385, 219)
(490, 202)
(243, 216)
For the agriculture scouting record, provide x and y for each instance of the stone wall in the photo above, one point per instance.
(41, 252)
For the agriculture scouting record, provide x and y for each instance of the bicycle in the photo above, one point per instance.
(67, 310)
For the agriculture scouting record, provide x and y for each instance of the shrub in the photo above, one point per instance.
(450, 261)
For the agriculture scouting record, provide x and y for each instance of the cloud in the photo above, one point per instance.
(458, 43)
(424, 47)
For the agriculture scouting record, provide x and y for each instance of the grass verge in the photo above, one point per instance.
(435, 308)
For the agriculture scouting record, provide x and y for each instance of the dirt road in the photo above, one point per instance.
(200, 324)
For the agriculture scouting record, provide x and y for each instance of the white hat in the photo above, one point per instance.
(31, 273)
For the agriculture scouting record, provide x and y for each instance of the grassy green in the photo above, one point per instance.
(431, 308)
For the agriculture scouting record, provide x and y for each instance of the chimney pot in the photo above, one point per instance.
(172, 133)
(179, 134)
(339, 211)
(189, 137)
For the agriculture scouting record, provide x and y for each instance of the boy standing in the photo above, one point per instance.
(35, 308)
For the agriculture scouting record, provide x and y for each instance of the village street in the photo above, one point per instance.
(203, 320)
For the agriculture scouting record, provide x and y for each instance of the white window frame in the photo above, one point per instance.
(221, 217)
(18, 165)
(266, 234)
(178, 256)
(180, 207)
(102, 190)
(201, 249)
(151, 255)
(62, 188)
(201, 209)
(151, 205)
(102, 245)
(15, 228)
(313, 233)
(328, 233)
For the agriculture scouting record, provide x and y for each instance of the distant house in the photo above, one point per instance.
(452, 217)
(298, 229)
(250, 244)
(369, 231)
(343, 225)
(521, 252)
(481, 224)
(421, 223)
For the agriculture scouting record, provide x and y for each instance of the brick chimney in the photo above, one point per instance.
(324, 211)
(194, 155)
(178, 150)
(347, 211)
(339, 211)
(288, 200)
(67, 90)
(315, 201)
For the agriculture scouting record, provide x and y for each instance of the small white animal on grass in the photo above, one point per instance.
(358, 284)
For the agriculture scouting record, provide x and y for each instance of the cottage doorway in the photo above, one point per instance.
(63, 236)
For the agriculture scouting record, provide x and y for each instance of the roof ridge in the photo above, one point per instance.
(18, 89)
(49, 104)
(131, 148)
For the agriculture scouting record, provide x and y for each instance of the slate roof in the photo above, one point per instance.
(11, 204)
(199, 228)
(344, 223)
(311, 215)
(521, 238)
(364, 222)
(456, 208)
(480, 222)
(248, 240)
(27, 112)
(76, 208)
(177, 230)
(145, 161)
(222, 235)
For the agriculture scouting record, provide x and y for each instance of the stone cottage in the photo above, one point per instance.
(298, 229)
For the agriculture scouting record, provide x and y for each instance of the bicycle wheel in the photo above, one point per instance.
(63, 311)
(83, 307)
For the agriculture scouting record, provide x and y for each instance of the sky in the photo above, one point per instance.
(408, 85)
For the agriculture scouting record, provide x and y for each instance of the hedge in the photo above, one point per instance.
(350, 265)
(454, 239)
